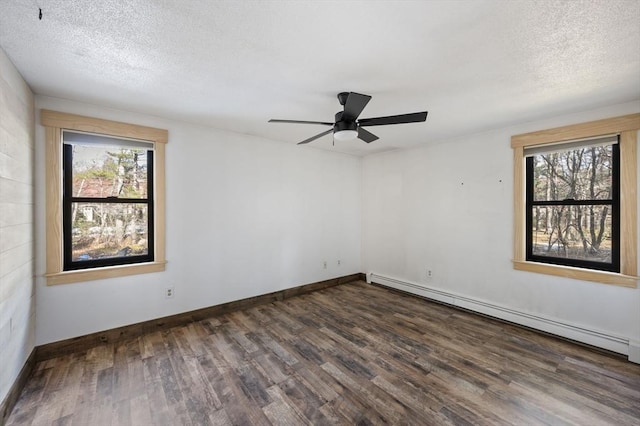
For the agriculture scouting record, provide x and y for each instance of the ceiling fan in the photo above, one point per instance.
(347, 126)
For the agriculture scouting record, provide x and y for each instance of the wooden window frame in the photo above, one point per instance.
(54, 123)
(627, 127)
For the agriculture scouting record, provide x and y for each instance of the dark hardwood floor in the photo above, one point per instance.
(351, 354)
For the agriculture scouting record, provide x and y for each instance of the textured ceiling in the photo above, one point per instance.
(474, 65)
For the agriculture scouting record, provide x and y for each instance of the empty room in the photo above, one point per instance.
(319, 212)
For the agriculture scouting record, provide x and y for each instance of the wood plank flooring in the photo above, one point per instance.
(351, 354)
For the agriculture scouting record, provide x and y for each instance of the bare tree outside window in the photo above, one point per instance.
(571, 205)
(107, 204)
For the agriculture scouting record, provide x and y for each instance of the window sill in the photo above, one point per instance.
(578, 273)
(68, 277)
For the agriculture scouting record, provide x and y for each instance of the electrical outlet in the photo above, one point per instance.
(429, 274)
(339, 262)
(169, 292)
(324, 264)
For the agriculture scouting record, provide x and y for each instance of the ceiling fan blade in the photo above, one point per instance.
(313, 138)
(394, 119)
(354, 105)
(366, 135)
(300, 122)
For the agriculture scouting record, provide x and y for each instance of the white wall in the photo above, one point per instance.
(17, 313)
(449, 207)
(245, 216)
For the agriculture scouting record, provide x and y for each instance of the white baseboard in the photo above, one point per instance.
(619, 344)
(634, 351)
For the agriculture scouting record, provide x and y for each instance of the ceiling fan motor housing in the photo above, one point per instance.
(343, 124)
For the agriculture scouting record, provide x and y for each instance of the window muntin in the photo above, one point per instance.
(572, 205)
(108, 201)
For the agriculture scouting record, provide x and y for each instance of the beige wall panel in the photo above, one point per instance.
(13, 169)
(14, 81)
(14, 279)
(15, 192)
(17, 140)
(15, 257)
(17, 134)
(15, 214)
(15, 236)
(17, 151)
(13, 104)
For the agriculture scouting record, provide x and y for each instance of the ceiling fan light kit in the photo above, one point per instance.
(344, 130)
(347, 127)
(345, 135)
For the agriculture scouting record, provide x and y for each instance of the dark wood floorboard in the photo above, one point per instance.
(351, 354)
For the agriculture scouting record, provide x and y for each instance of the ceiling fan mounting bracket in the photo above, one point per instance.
(342, 97)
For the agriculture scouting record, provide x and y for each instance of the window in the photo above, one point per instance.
(575, 201)
(105, 198)
(572, 211)
(107, 201)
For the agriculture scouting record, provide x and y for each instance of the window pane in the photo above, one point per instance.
(109, 171)
(581, 174)
(106, 230)
(572, 232)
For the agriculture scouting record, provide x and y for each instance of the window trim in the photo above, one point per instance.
(627, 127)
(55, 122)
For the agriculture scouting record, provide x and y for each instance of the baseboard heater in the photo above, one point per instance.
(575, 332)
